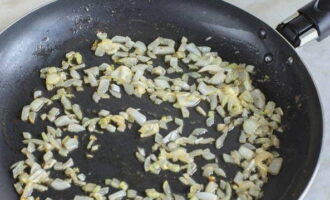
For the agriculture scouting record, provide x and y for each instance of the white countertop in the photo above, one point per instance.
(315, 55)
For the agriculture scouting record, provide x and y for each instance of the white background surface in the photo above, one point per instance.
(315, 55)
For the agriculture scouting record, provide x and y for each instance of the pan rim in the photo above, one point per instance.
(321, 151)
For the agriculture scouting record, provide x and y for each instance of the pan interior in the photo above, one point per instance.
(42, 38)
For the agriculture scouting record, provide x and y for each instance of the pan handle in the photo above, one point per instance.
(310, 22)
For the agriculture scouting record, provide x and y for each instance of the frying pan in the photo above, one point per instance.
(44, 36)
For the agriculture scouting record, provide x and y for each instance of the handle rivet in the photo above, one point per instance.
(289, 61)
(262, 33)
(268, 58)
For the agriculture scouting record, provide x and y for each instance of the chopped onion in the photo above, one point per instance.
(250, 126)
(59, 184)
(191, 47)
(25, 113)
(75, 128)
(103, 86)
(70, 143)
(275, 166)
(62, 121)
(37, 104)
(78, 197)
(198, 131)
(137, 116)
(186, 99)
(245, 152)
(149, 128)
(206, 196)
(220, 141)
(258, 98)
(117, 195)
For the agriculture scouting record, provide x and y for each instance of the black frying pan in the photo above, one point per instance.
(42, 38)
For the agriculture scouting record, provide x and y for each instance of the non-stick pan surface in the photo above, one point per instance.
(43, 37)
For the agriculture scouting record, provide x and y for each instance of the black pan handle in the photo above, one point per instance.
(310, 22)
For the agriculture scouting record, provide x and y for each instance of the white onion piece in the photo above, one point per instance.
(183, 44)
(74, 74)
(203, 61)
(206, 196)
(198, 131)
(119, 39)
(77, 111)
(27, 135)
(227, 158)
(37, 94)
(211, 69)
(191, 47)
(217, 78)
(37, 104)
(149, 128)
(205, 49)
(137, 116)
(25, 113)
(220, 141)
(163, 50)
(220, 172)
(168, 42)
(201, 111)
(66, 103)
(238, 177)
(206, 89)
(158, 71)
(250, 126)
(259, 98)
(59, 184)
(172, 136)
(103, 191)
(182, 84)
(32, 117)
(70, 144)
(178, 197)
(129, 89)
(161, 83)
(91, 79)
(186, 99)
(78, 197)
(103, 86)
(210, 121)
(154, 44)
(211, 187)
(246, 153)
(53, 113)
(208, 155)
(18, 168)
(122, 74)
(62, 121)
(96, 97)
(167, 188)
(75, 128)
(28, 189)
(275, 166)
(140, 48)
(104, 66)
(117, 195)
(128, 61)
